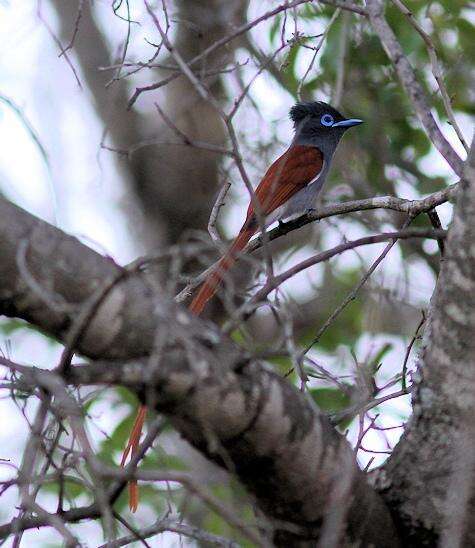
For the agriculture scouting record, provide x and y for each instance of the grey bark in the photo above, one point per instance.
(428, 480)
(47, 276)
(253, 422)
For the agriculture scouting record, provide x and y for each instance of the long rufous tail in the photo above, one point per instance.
(206, 292)
(132, 448)
(212, 282)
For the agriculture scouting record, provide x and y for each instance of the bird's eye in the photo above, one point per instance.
(327, 120)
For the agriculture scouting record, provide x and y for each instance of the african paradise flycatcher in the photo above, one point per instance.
(289, 187)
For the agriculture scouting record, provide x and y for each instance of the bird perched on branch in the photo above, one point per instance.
(289, 187)
(291, 184)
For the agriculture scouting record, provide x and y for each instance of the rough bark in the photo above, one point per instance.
(47, 276)
(301, 471)
(428, 481)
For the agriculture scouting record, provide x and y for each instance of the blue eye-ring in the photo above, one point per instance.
(327, 120)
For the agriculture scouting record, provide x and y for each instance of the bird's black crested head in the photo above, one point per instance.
(318, 124)
(313, 109)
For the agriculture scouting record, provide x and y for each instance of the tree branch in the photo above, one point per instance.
(56, 275)
(411, 207)
(246, 418)
(413, 88)
(326, 255)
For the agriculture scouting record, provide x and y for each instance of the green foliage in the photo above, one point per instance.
(232, 494)
(72, 487)
(345, 330)
(115, 443)
(375, 362)
(392, 134)
(331, 400)
(347, 327)
(11, 326)
(289, 70)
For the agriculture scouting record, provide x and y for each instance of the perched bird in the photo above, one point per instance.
(289, 187)
(291, 184)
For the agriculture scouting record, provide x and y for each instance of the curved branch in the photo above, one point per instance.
(326, 255)
(234, 411)
(411, 207)
(46, 277)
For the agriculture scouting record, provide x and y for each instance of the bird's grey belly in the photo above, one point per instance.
(301, 202)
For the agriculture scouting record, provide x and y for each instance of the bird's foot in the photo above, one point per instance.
(310, 210)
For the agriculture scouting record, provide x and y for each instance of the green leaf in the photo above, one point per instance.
(9, 326)
(331, 400)
(275, 28)
(375, 362)
(116, 442)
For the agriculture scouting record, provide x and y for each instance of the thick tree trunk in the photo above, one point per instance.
(428, 480)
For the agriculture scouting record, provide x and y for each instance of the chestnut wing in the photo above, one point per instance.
(293, 171)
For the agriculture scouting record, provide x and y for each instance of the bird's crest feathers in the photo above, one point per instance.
(312, 109)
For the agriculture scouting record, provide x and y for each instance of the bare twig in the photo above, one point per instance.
(435, 222)
(43, 293)
(86, 315)
(218, 204)
(174, 526)
(316, 50)
(365, 407)
(409, 348)
(352, 294)
(326, 255)
(76, 29)
(238, 32)
(63, 51)
(125, 45)
(28, 126)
